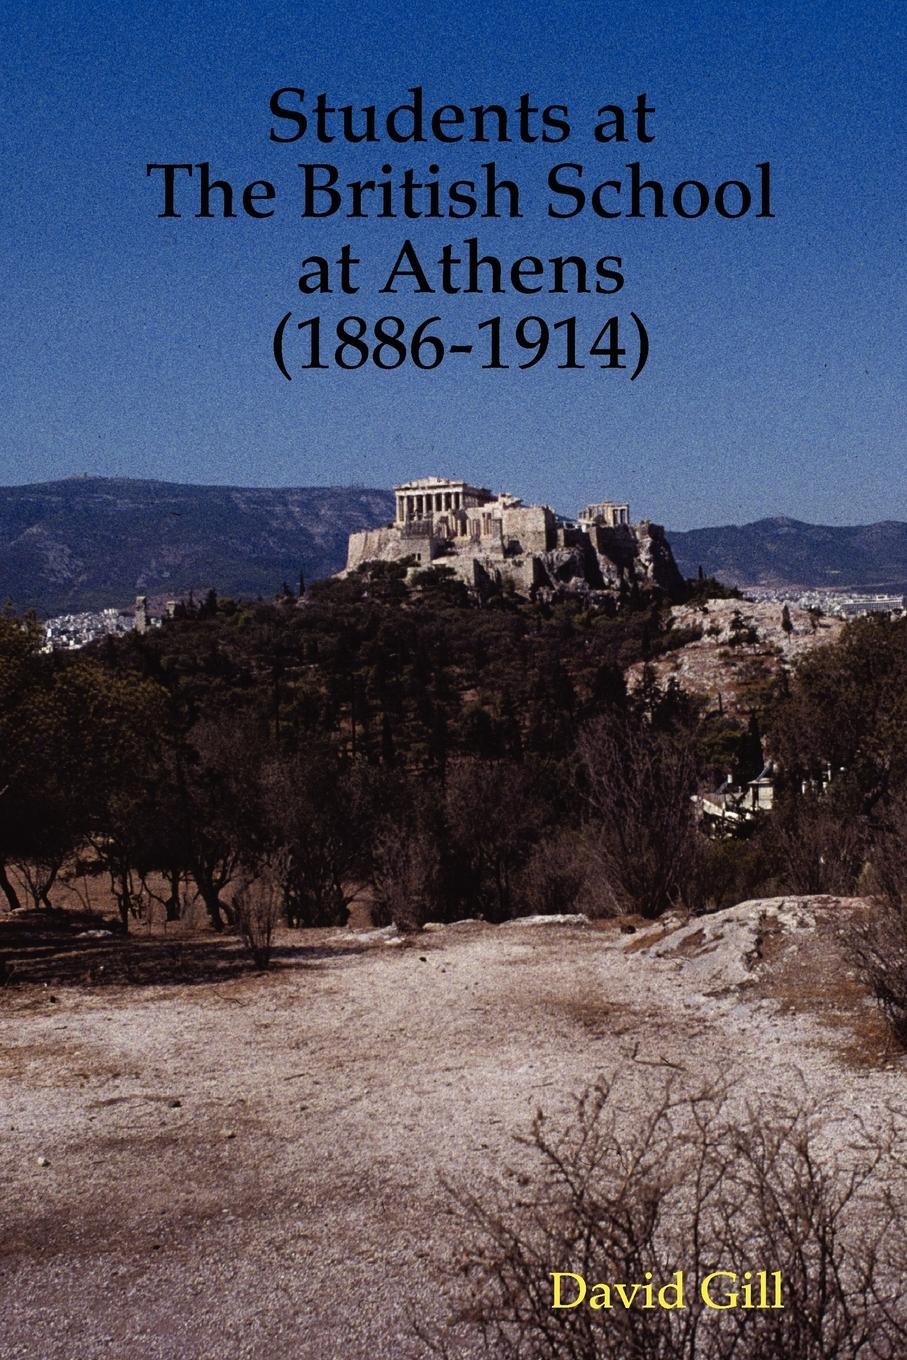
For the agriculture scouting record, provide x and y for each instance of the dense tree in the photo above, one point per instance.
(495, 813)
(408, 737)
(318, 812)
(846, 711)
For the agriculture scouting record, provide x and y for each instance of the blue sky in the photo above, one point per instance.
(139, 347)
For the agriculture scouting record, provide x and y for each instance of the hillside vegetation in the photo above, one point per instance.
(445, 757)
(223, 1099)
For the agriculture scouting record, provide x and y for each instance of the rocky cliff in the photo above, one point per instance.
(603, 563)
(625, 559)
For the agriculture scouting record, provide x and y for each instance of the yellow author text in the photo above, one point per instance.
(720, 1290)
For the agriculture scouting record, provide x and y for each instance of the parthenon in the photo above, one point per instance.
(432, 495)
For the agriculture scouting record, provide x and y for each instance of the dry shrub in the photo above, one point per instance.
(553, 877)
(638, 782)
(881, 948)
(818, 841)
(257, 909)
(881, 941)
(731, 870)
(407, 877)
(685, 1186)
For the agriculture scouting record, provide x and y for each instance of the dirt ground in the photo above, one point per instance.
(243, 1165)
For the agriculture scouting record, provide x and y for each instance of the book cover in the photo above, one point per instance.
(453, 804)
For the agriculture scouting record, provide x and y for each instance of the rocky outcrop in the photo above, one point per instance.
(605, 565)
(628, 558)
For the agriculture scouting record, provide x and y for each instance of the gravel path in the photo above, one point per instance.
(251, 1169)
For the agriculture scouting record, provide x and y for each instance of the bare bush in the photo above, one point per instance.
(684, 1187)
(494, 820)
(732, 869)
(554, 876)
(638, 782)
(818, 842)
(319, 811)
(38, 874)
(407, 877)
(257, 908)
(881, 949)
(881, 940)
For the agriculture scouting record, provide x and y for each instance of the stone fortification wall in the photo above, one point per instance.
(531, 527)
(487, 573)
(390, 545)
(618, 544)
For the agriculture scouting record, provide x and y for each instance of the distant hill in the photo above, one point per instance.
(88, 542)
(787, 552)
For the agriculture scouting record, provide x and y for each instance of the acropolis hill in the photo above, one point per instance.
(490, 540)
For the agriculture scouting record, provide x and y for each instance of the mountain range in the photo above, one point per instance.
(782, 552)
(87, 542)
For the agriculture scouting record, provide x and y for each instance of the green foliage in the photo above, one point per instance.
(710, 588)
(741, 633)
(846, 711)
